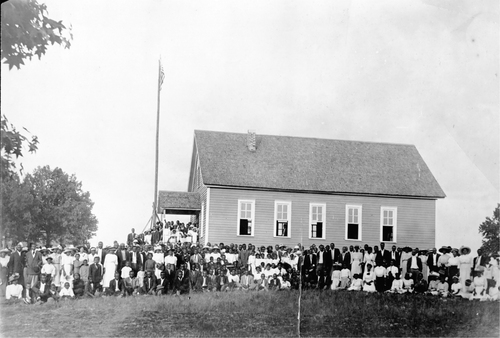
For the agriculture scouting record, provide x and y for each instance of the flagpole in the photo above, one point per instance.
(155, 204)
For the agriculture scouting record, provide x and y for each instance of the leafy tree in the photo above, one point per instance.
(48, 206)
(27, 31)
(12, 144)
(14, 208)
(490, 229)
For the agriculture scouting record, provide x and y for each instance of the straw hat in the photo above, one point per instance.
(70, 248)
(465, 250)
(5, 250)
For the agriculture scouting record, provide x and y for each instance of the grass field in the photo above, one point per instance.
(254, 314)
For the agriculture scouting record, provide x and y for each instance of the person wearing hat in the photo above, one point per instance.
(16, 265)
(56, 260)
(110, 267)
(4, 270)
(67, 267)
(443, 260)
(14, 291)
(49, 269)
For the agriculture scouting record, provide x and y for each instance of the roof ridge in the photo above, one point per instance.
(308, 138)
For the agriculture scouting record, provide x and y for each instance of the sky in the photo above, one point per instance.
(399, 71)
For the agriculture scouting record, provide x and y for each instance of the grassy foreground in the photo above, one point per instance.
(254, 314)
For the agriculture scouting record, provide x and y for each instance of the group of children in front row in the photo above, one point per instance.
(373, 280)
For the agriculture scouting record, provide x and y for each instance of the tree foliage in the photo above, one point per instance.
(47, 206)
(490, 229)
(12, 144)
(27, 31)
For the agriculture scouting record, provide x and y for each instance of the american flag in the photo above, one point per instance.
(162, 75)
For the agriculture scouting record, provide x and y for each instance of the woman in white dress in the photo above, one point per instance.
(356, 259)
(110, 264)
(159, 258)
(465, 260)
(369, 279)
(57, 260)
(369, 257)
(67, 259)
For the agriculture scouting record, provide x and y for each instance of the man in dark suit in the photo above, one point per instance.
(130, 238)
(162, 284)
(149, 284)
(345, 258)
(479, 263)
(16, 265)
(181, 284)
(395, 256)
(323, 259)
(310, 263)
(95, 275)
(123, 256)
(414, 266)
(382, 256)
(432, 261)
(136, 259)
(40, 291)
(34, 264)
(170, 276)
(115, 286)
(204, 283)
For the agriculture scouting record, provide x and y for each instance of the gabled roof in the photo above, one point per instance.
(314, 165)
(178, 202)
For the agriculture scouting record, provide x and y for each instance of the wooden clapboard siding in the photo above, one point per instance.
(202, 190)
(415, 218)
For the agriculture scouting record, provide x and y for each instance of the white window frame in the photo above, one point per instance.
(323, 213)
(288, 219)
(394, 223)
(252, 202)
(360, 221)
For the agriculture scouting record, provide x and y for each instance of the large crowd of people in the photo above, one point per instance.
(164, 262)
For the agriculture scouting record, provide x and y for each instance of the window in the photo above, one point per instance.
(317, 220)
(246, 214)
(388, 224)
(282, 216)
(353, 222)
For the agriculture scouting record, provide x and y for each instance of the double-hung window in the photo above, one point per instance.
(353, 222)
(317, 220)
(388, 224)
(282, 217)
(246, 217)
